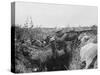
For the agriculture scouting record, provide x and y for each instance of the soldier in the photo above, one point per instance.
(58, 42)
(60, 38)
(65, 40)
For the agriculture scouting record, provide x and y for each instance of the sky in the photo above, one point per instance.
(55, 15)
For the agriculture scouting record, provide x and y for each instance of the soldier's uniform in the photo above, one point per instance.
(59, 43)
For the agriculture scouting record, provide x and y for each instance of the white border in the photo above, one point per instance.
(5, 23)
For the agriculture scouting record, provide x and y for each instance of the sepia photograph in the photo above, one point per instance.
(53, 37)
